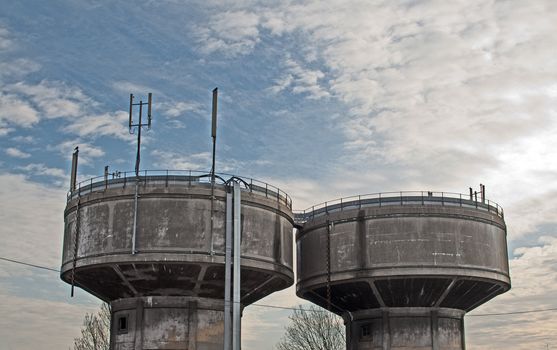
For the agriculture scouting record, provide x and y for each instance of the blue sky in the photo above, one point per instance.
(323, 99)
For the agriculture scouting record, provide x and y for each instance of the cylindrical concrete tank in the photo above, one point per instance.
(402, 268)
(169, 294)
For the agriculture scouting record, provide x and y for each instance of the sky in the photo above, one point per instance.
(323, 99)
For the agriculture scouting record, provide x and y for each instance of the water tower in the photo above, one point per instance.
(155, 244)
(402, 269)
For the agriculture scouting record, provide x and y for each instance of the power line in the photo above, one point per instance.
(28, 264)
(514, 312)
(300, 308)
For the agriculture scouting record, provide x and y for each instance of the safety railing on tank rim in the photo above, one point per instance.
(188, 177)
(400, 198)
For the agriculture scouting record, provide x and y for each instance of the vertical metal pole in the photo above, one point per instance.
(136, 195)
(328, 262)
(214, 137)
(236, 341)
(136, 198)
(138, 156)
(73, 179)
(228, 273)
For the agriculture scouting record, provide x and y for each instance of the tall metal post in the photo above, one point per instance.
(236, 316)
(228, 273)
(214, 136)
(139, 125)
(73, 178)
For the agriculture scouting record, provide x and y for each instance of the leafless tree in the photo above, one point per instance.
(313, 329)
(95, 333)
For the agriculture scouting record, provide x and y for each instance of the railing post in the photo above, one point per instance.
(312, 212)
(166, 180)
(266, 191)
(250, 185)
(460, 195)
(401, 198)
(326, 208)
(341, 204)
(189, 178)
(379, 199)
(359, 201)
(423, 198)
(442, 198)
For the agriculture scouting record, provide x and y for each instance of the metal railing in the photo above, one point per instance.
(176, 178)
(400, 198)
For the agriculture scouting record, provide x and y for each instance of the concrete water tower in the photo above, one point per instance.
(402, 268)
(155, 244)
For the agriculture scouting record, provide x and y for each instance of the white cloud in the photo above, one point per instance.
(107, 124)
(87, 151)
(5, 41)
(534, 285)
(31, 213)
(301, 80)
(16, 153)
(177, 109)
(136, 89)
(232, 33)
(18, 68)
(16, 112)
(171, 160)
(41, 169)
(24, 139)
(54, 99)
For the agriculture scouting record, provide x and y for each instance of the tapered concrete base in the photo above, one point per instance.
(405, 329)
(184, 323)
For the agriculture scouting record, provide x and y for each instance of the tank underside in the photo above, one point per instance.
(403, 275)
(405, 291)
(159, 260)
(125, 280)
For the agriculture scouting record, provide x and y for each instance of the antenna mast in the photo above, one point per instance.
(214, 136)
(139, 125)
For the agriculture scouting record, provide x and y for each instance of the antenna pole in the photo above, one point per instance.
(214, 136)
(138, 156)
(73, 178)
(214, 131)
(139, 125)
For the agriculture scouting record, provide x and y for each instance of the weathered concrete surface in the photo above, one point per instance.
(174, 243)
(167, 323)
(402, 257)
(172, 288)
(405, 329)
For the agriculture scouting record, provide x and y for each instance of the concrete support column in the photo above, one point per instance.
(405, 329)
(167, 323)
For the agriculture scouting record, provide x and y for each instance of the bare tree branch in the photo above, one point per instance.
(95, 333)
(313, 329)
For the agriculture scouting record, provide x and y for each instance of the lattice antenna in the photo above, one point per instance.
(137, 126)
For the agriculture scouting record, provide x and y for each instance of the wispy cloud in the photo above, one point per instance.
(177, 109)
(232, 33)
(5, 41)
(42, 169)
(301, 80)
(15, 112)
(17, 153)
(107, 124)
(87, 151)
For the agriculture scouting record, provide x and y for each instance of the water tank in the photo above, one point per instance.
(402, 268)
(168, 293)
